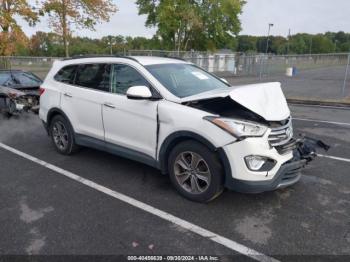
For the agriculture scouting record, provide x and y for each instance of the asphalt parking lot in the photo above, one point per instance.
(45, 212)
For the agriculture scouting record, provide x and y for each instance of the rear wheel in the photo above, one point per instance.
(62, 135)
(195, 171)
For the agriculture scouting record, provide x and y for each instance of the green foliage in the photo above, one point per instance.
(322, 44)
(50, 44)
(194, 24)
(247, 44)
(296, 44)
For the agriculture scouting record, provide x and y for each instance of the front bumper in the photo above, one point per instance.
(285, 172)
(295, 155)
(287, 175)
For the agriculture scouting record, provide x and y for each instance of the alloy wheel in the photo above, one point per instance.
(60, 135)
(192, 172)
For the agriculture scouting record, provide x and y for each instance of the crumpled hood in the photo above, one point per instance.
(266, 99)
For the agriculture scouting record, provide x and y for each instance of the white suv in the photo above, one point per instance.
(174, 116)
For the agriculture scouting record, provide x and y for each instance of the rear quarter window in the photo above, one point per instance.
(66, 74)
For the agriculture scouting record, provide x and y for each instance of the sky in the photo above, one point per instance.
(301, 16)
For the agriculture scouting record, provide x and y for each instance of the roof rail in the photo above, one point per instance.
(176, 58)
(97, 56)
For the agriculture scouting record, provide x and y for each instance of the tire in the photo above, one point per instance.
(195, 171)
(62, 135)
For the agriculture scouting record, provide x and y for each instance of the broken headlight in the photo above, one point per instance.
(238, 128)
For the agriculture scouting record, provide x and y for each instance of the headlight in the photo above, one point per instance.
(238, 128)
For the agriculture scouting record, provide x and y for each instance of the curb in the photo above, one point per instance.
(318, 103)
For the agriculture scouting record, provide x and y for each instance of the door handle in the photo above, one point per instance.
(67, 95)
(109, 105)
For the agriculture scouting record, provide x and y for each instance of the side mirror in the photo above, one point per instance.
(139, 92)
(224, 80)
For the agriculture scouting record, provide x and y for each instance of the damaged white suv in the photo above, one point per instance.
(174, 116)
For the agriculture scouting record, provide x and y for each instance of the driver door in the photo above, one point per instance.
(130, 125)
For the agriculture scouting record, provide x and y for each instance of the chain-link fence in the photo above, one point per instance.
(322, 76)
(325, 76)
(38, 65)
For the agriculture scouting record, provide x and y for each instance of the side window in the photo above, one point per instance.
(95, 76)
(123, 77)
(66, 74)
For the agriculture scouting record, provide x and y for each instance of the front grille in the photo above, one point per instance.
(290, 146)
(281, 135)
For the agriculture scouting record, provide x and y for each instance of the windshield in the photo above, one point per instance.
(185, 80)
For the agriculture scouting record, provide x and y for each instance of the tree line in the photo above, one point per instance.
(50, 44)
(182, 25)
(330, 42)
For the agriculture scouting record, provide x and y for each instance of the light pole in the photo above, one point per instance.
(268, 35)
(288, 42)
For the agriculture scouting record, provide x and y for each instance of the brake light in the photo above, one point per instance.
(41, 91)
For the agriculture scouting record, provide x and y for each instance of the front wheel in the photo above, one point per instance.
(195, 171)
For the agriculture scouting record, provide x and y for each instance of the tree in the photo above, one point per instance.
(46, 44)
(11, 33)
(65, 14)
(221, 21)
(322, 44)
(177, 20)
(247, 44)
(183, 24)
(278, 44)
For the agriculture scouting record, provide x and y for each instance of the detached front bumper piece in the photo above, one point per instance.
(304, 151)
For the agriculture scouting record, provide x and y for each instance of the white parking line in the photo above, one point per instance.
(149, 209)
(322, 121)
(335, 158)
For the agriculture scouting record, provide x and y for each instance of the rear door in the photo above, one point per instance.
(83, 98)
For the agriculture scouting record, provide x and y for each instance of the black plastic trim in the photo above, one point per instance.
(46, 127)
(54, 111)
(87, 141)
(97, 56)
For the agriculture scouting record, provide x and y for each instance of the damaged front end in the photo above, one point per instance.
(304, 151)
(13, 101)
(259, 161)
